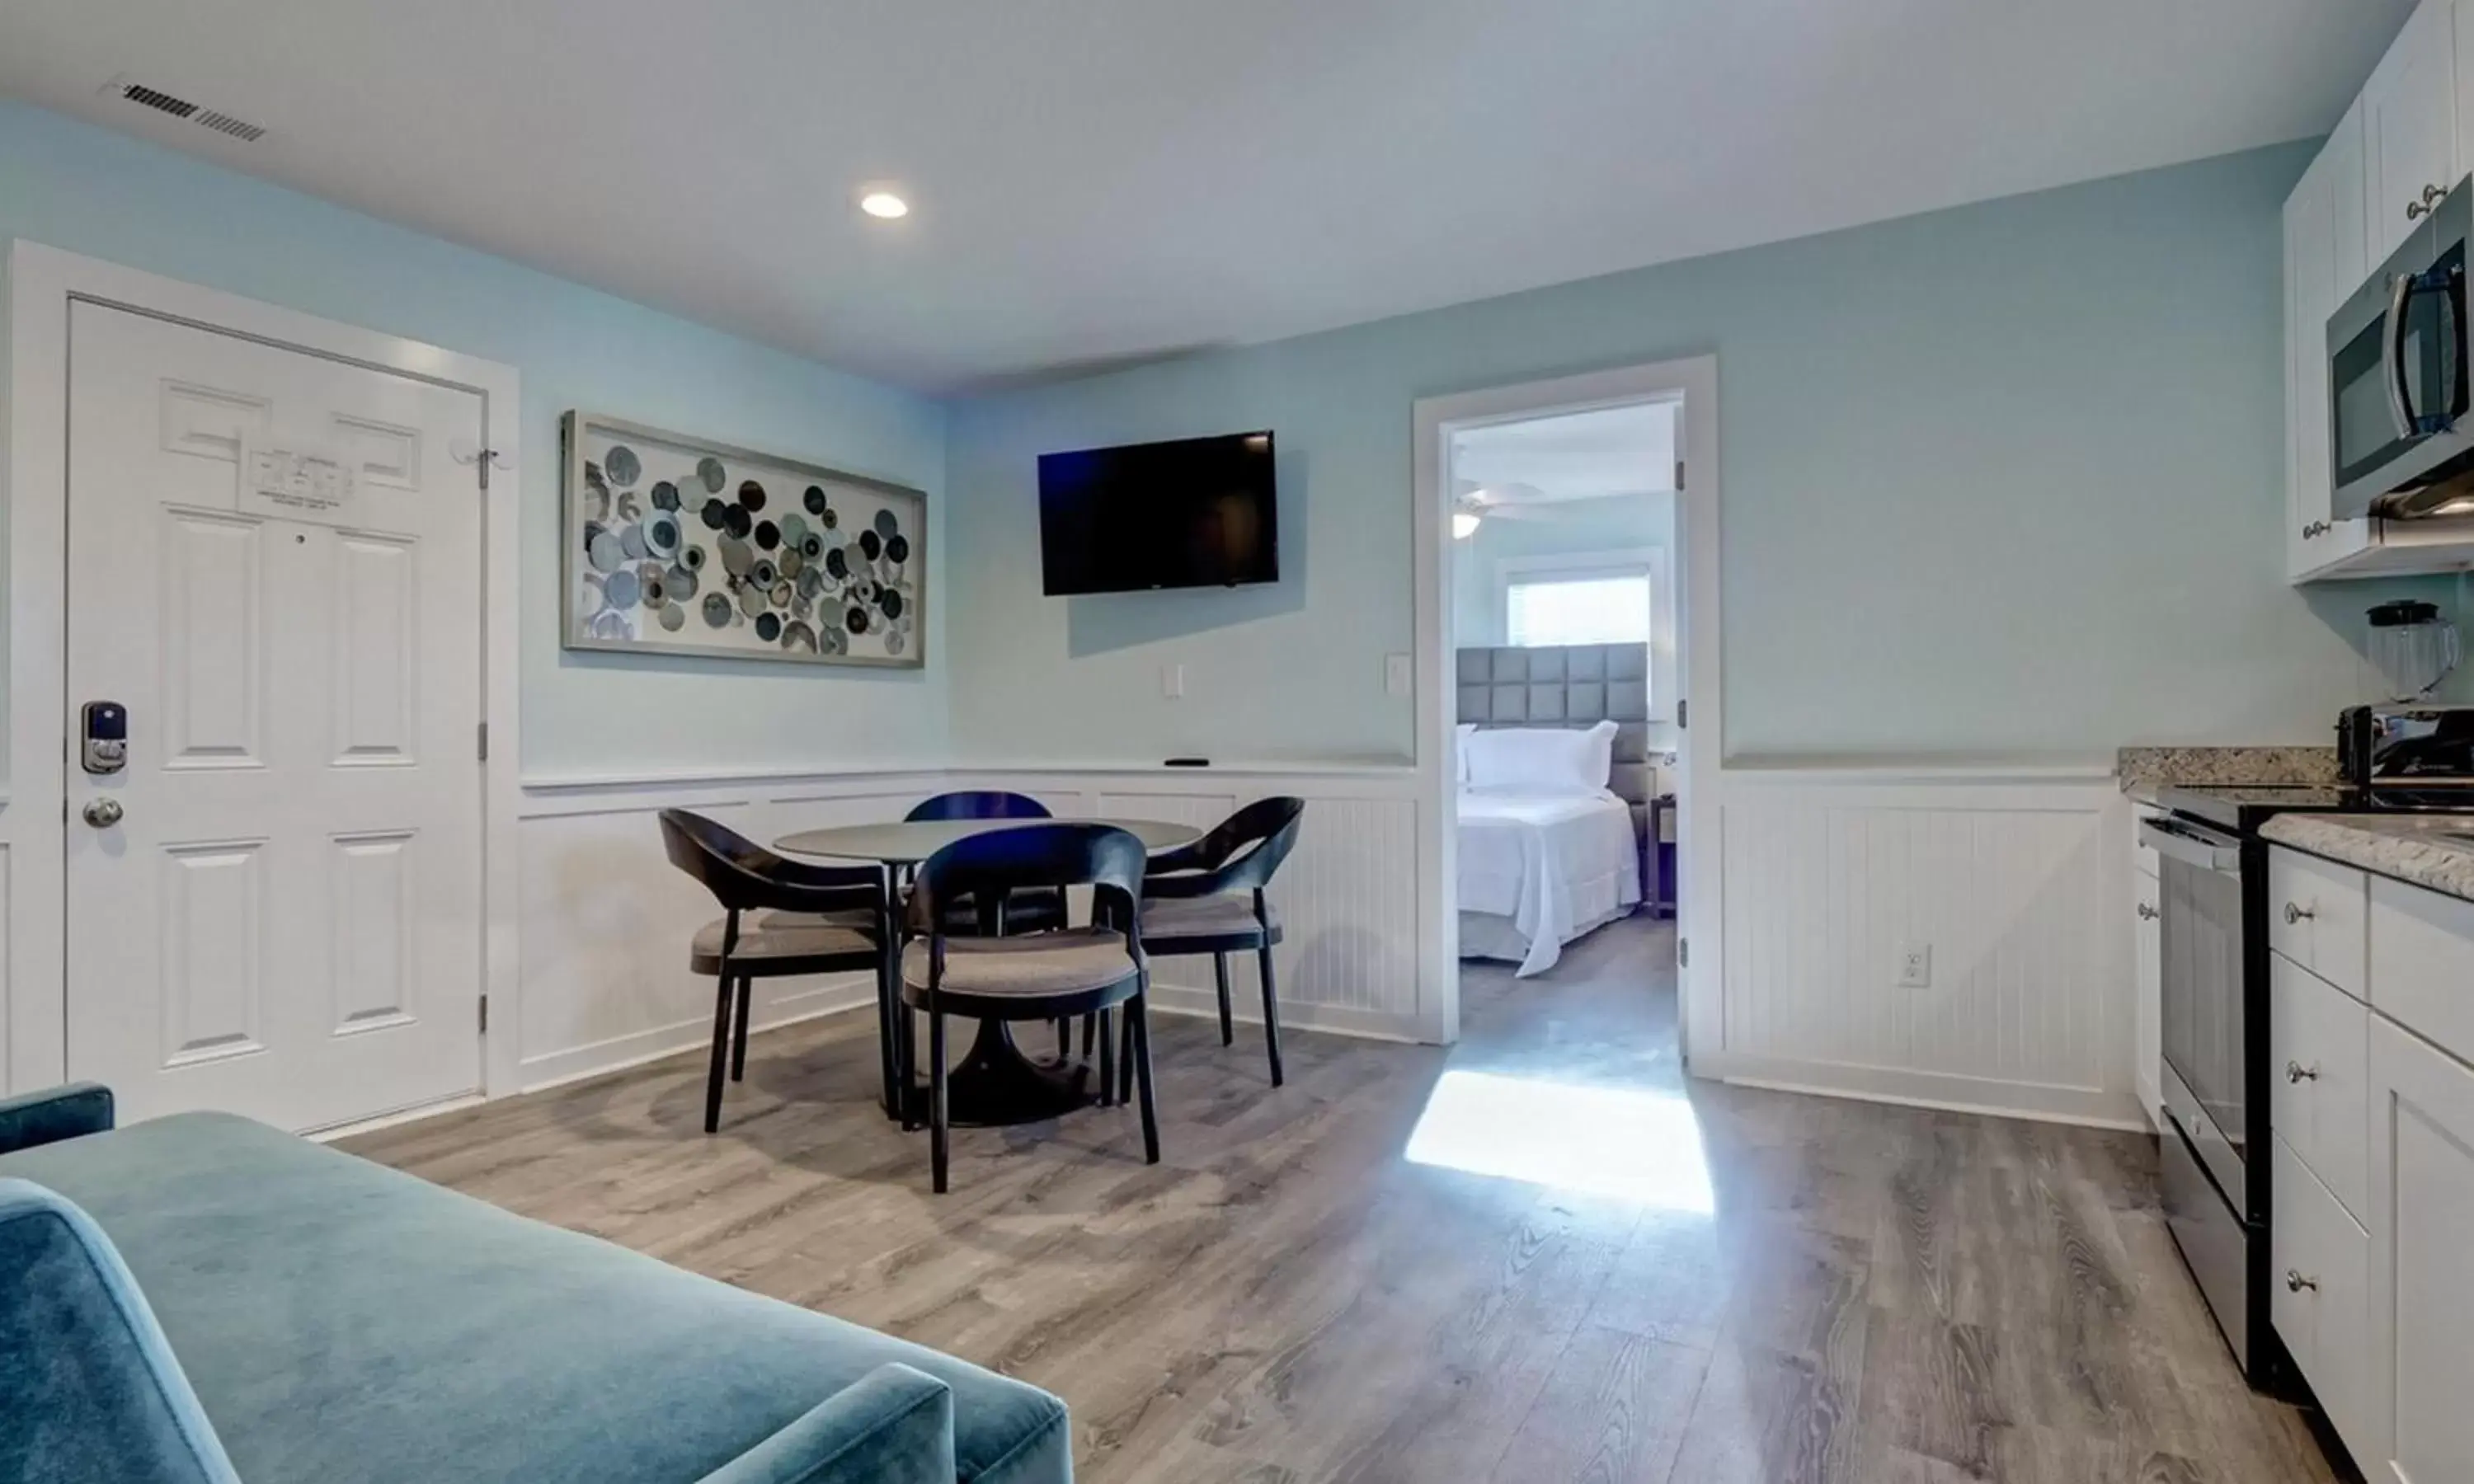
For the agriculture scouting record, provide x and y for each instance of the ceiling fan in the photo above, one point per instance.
(1473, 502)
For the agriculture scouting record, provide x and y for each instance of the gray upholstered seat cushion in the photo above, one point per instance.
(1223, 915)
(1057, 963)
(771, 935)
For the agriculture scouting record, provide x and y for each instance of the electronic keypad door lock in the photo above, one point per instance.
(104, 732)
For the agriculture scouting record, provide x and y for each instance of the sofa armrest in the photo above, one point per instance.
(88, 1386)
(54, 1114)
(894, 1425)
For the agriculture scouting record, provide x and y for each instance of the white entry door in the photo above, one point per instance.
(274, 567)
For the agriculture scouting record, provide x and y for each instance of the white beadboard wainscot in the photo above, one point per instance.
(2005, 878)
(1347, 897)
(606, 917)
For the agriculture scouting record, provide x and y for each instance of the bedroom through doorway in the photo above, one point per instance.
(1561, 617)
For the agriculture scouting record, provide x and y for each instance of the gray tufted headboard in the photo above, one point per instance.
(1570, 685)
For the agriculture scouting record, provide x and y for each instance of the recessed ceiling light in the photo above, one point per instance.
(878, 202)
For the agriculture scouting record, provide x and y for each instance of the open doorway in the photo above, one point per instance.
(1562, 620)
(1569, 547)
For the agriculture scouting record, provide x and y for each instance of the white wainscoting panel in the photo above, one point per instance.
(607, 920)
(1347, 897)
(2009, 888)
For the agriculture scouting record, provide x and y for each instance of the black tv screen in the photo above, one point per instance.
(1196, 512)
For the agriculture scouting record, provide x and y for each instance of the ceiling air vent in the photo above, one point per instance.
(179, 107)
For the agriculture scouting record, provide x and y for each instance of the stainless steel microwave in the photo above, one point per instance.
(2398, 381)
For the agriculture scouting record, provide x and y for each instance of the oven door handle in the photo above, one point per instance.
(2204, 849)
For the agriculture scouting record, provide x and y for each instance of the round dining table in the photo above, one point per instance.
(995, 1083)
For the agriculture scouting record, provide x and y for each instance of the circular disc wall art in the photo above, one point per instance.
(680, 545)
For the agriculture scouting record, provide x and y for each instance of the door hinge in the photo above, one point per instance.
(1682, 952)
(1683, 714)
(481, 741)
(489, 456)
(485, 1015)
(1678, 477)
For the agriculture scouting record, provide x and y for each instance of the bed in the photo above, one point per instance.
(1541, 864)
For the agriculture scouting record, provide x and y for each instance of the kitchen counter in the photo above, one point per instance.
(2144, 770)
(2433, 850)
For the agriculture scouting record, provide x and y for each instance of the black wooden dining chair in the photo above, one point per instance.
(781, 917)
(1029, 912)
(1049, 975)
(1208, 898)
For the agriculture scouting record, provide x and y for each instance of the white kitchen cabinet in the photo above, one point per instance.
(2410, 127)
(2320, 1281)
(2316, 1066)
(2147, 967)
(2404, 137)
(2315, 915)
(2418, 1425)
(2324, 260)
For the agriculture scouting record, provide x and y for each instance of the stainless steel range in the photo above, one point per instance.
(2212, 876)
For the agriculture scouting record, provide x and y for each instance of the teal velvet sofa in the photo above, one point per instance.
(204, 1300)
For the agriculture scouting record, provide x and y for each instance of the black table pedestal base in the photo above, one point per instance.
(996, 1086)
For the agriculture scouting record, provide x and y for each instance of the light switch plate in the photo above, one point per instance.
(1395, 674)
(1173, 681)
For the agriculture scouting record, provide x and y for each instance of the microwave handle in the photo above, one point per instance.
(2400, 398)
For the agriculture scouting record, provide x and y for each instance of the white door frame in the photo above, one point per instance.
(1694, 382)
(42, 283)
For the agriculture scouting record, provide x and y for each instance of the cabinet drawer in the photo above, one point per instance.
(2422, 963)
(2315, 911)
(2319, 1292)
(2318, 1070)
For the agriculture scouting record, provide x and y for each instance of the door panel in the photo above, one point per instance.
(2422, 1267)
(275, 565)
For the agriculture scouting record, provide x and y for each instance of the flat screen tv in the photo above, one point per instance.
(1196, 512)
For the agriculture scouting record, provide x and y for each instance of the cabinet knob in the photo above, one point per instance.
(2316, 528)
(2295, 1071)
(2415, 211)
(2146, 913)
(2296, 1283)
(2294, 914)
(2431, 195)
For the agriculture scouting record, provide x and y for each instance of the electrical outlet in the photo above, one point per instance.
(1173, 681)
(1395, 674)
(1915, 966)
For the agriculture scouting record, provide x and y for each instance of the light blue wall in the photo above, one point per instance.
(2001, 483)
(89, 191)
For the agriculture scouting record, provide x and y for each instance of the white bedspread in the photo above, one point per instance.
(1552, 866)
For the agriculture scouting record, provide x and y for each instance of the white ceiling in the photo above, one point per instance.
(1100, 180)
(1575, 456)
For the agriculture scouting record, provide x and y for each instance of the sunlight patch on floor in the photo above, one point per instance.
(1620, 1142)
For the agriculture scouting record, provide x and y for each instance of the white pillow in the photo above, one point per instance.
(1557, 759)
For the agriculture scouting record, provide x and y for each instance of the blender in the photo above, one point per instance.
(2412, 650)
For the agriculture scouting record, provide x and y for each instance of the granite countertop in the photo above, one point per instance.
(2433, 850)
(2144, 770)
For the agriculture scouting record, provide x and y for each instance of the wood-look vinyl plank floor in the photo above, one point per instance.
(1886, 1294)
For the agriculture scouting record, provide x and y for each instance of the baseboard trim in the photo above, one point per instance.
(619, 1053)
(2083, 1107)
(1248, 1010)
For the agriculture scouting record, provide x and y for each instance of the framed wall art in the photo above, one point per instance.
(677, 545)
